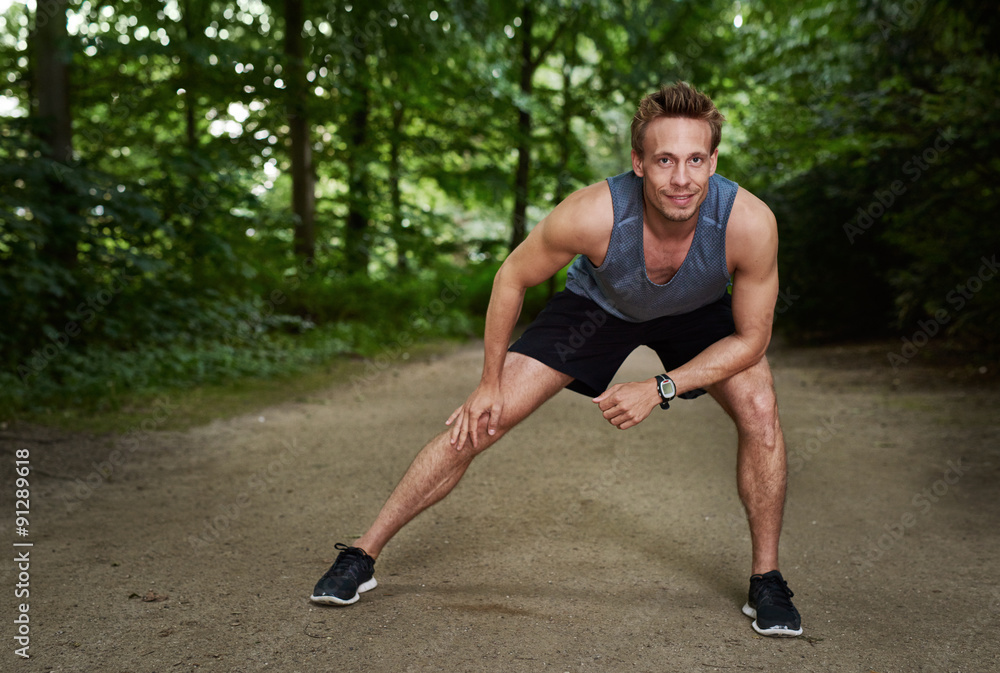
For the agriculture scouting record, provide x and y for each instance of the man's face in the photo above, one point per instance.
(675, 166)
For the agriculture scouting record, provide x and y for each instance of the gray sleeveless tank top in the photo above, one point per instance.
(620, 285)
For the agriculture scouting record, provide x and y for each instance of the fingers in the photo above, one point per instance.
(465, 421)
(623, 405)
(615, 417)
(463, 435)
(628, 423)
(473, 424)
(458, 429)
(494, 418)
(466, 427)
(609, 403)
(465, 432)
(603, 400)
(623, 421)
(621, 417)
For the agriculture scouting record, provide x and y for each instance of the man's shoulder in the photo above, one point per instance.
(590, 198)
(752, 232)
(750, 213)
(586, 208)
(582, 221)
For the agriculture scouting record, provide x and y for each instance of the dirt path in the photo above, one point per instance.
(570, 546)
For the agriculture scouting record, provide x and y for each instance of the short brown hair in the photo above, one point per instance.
(676, 100)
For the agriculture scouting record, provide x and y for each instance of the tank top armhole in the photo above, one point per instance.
(725, 232)
(611, 237)
(616, 223)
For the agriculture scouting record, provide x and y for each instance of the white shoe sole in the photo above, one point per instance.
(333, 600)
(778, 631)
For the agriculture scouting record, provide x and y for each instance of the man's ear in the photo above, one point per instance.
(713, 161)
(637, 163)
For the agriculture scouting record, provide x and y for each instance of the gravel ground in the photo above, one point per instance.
(570, 546)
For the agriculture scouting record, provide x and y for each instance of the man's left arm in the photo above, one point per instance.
(752, 246)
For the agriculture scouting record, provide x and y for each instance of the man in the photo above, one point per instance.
(658, 247)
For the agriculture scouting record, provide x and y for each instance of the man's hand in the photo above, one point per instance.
(485, 399)
(628, 404)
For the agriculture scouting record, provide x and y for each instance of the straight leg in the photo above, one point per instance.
(761, 471)
(526, 384)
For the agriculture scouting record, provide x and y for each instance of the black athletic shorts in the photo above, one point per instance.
(575, 336)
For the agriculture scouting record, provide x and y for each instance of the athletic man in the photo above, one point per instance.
(658, 247)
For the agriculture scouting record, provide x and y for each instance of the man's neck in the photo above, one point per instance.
(667, 230)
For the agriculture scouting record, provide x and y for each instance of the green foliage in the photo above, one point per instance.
(223, 342)
(163, 251)
(872, 132)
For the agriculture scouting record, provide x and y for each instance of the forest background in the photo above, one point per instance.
(201, 192)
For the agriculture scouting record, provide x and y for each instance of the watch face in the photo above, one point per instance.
(667, 389)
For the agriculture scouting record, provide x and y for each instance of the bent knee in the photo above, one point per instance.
(484, 439)
(762, 404)
(756, 414)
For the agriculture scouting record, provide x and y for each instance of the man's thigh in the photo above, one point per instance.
(526, 384)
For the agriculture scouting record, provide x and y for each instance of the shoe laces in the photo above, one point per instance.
(348, 559)
(774, 590)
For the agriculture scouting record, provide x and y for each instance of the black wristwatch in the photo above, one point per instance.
(668, 391)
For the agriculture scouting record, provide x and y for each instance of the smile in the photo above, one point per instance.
(681, 200)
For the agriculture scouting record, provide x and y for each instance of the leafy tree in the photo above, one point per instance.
(870, 130)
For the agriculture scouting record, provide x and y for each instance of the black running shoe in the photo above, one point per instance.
(770, 606)
(350, 575)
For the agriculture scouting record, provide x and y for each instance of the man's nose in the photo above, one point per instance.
(680, 175)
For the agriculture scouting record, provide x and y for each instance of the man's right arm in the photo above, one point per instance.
(578, 225)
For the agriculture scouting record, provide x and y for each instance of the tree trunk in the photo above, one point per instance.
(394, 191)
(303, 181)
(192, 232)
(523, 175)
(359, 210)
(52, 82)
(188, 76)
(562, 174)
(55, 127)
